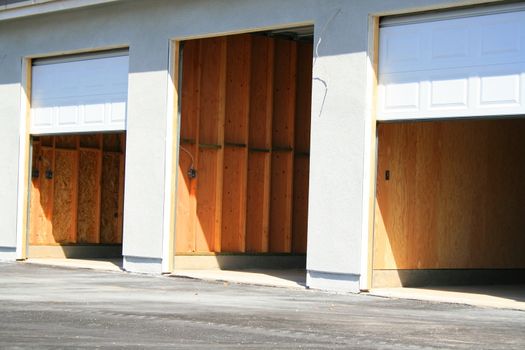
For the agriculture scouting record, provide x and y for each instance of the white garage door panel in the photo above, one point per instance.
(472, 66)
(80, 96)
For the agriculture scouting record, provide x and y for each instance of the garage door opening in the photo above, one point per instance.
(449, 203)
(242, 199)
(76, 189)
(77, 196)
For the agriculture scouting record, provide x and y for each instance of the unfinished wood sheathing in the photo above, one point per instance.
(65, 177)
(90, 173)
(260, 144)
(188, 152)
(301, 164)
(211, 148)
(238, 67)
(109, 230)
(68, 186)
(454, 198)
(41, 204)
(282, 145)
(234, 173)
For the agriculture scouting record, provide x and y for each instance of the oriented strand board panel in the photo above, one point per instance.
(258, 202)
(41, 205)
(110, 232)
(186, 203)
(65, 195)
(209, 192)
(233, 233)
(454, 197)
(281, 202)
(300, 203)
(284, 93)
(261, 92)
(90, 172)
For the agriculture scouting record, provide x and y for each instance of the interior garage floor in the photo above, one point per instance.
(498, 296)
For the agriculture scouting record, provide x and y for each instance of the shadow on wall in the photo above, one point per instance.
(449, 197)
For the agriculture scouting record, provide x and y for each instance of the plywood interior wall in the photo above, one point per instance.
(245, 129)
(455, 197)
(77, 187)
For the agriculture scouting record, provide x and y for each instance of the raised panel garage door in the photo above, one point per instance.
(80, 94)
(460, 67)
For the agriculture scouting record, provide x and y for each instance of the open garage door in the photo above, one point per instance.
(79, 93)
(463, 67)
(77, 126)
(449, 206)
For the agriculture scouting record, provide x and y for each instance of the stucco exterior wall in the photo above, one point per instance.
(341, 112)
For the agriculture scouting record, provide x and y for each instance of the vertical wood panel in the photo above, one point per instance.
(109, 232)
(233, 232)
(234, 200)
(212, 88)
(258, 202)
(303, 103)
(188, 151)
(260, 137)
(281, 202)
(211, 133)
(300, 203)
(284, 95)
(208, 213)
(302, 146)
(190, 91)
(90, 166)
(186, 203)
(454, 198)
(261, 92)
(41, 205)
(237, 89)
(65, 195)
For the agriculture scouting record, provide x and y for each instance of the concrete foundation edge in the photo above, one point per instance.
(142, 265)
(335, 282)
(7, 253)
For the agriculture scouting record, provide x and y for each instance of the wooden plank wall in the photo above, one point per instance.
(455, 195)
(77, 189)
(245, 104)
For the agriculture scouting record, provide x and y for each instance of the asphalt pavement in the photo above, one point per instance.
(43, 307)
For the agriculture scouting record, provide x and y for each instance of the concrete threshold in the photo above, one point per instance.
(289, 278)
(494, 296)
(94, 264)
